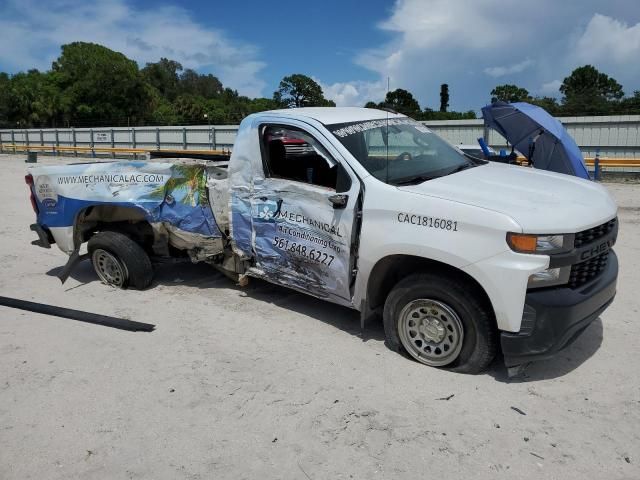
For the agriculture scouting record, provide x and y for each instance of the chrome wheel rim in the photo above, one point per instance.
(108, 268)
(431, 331)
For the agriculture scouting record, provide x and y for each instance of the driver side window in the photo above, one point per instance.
(292, 154)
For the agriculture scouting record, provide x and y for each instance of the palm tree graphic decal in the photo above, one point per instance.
(188, 180)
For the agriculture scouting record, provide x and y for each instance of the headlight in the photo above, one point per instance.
(550, 277)
(548, 243)
(542, 244)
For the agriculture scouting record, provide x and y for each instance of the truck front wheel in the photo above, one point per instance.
(119, 261)
(441, 322)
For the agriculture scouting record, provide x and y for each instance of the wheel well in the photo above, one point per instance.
(131, 221)
(390, 270)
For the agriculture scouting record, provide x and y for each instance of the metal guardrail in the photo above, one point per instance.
(615, 138)
(612, 137)
(604, 162)
(60, 149)
(94, 150)
(115, 140)
(56, 149)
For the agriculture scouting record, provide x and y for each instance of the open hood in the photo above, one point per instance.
(539, 136)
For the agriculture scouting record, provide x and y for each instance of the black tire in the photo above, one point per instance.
(477, 344)
(136, 268)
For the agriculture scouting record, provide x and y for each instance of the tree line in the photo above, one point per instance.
(586, 91)
(91, 85)
(403, 101)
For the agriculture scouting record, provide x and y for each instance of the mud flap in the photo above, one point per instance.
(365, 314)
(74, 259)
(43, 239)
(517, 370)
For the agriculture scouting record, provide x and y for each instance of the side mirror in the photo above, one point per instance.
(339, 200)
(343, 180)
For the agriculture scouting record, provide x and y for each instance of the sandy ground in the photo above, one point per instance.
(263, 382)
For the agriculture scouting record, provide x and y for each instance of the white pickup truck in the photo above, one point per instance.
(364, 208)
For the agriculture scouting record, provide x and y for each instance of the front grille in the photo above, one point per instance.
(593, 234)
(584, 272)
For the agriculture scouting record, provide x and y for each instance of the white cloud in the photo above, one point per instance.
(31, 35)
(609, 40)
(353, 94)
(441, 29)
(551, 88)
(440, 41)
(509, 69)
(431, 23)
(443, 41)
(430, 42)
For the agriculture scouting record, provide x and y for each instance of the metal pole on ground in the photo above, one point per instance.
(596, 164)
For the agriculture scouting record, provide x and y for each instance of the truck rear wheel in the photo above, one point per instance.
(441, 322)
(119, 261)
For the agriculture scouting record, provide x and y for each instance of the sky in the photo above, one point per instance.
(350, 47)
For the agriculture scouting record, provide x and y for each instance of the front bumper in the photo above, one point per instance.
(554, 317)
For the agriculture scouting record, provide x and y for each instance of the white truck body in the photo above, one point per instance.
(291, 232)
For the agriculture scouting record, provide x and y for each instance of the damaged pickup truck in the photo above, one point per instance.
(364, 208)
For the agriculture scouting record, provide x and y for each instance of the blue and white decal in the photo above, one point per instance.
(173, 194)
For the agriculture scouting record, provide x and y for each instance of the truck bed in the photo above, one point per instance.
(184, 201)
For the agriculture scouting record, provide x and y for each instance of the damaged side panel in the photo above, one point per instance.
(297, 242)
(245, 167)
(289, 229)
(171, 197)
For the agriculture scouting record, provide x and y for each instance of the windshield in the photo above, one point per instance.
(399, 151)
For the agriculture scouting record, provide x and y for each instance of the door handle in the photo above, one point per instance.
(339, 200)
